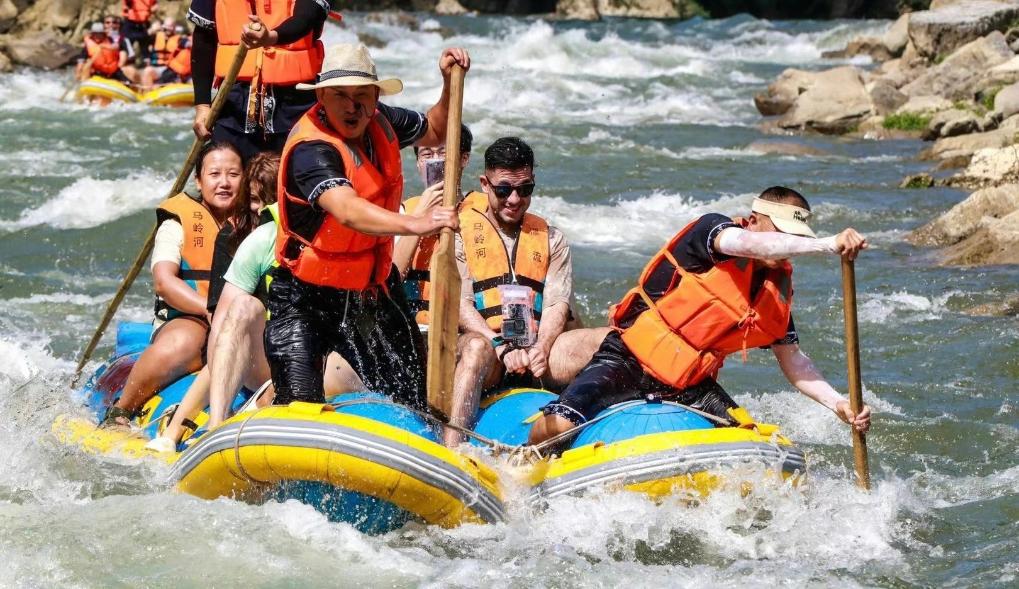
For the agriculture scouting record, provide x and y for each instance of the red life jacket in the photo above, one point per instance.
(299, 61)
(181, 62)
(684, 336)
(139, 11)
(105, 56)
(417, 283)
(335, 255)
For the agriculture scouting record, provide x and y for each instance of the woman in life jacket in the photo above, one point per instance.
(181, 270)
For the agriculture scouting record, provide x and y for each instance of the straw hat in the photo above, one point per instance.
(350, 65)
(786, 217)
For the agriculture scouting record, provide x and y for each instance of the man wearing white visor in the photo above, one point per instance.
(720, 286)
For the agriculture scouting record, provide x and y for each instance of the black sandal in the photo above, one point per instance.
(113, 414)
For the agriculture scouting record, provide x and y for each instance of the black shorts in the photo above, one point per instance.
(136, 31)
(169, 77)
(118, 75)
(368, 328)
(614, 375)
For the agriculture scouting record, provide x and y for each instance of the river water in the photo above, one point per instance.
(638, 127)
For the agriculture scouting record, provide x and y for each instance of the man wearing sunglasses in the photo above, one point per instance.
(720, 286)
(501, 244)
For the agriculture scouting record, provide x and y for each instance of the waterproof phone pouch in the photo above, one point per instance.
(518, 324)
(435, 171)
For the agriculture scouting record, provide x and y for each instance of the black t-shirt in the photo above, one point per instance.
(695, 252)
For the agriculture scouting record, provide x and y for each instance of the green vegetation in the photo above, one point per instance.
(987, 97)
(907, 121)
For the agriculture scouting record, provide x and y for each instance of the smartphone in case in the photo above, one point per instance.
(435, 171)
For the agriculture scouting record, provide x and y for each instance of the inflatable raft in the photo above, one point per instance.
(358, 459)
(377, 465)
(105, 91)
(653, 447)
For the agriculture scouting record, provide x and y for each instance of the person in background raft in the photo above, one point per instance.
(181, 268)
(340, 189)
(284, 50)
(720, 286)
(101, 56)
(169, 56)
(112, 24)
(503, 248)
(137, 14)
(412, 254)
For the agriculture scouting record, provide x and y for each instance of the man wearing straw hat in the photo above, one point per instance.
(720, 286)
(340, 187)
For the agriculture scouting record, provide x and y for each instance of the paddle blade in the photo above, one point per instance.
(444, 314)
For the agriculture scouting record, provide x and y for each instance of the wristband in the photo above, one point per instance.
(497, 341)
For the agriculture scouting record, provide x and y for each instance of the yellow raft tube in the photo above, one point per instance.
(104, 91)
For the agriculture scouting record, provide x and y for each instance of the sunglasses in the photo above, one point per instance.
(505, 190)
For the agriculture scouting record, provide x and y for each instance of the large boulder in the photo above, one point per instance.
(782, 93)
(50, 14)
(834, 102)
(41, 49)
(951, 123)
(924, 104)
(995, 242)
(5, 64)
(578, 9)
(968, 216)
(990, 167)
(449, 7)
(1003, 73)
(960, 75)
(936, 33)
(885, 97)
(896, 37)
(1006, 101)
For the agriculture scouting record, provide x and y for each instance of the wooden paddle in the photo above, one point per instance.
(444, 303)
(853, 362)
(77, 82)
(178, 186)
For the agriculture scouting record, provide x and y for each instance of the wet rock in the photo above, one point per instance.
(449, 7)
(649, 8)
(885, 96)
(990, 167)
(937, 33)
(785, 148)
(394, 19)
(1000, 308)
(5, 64)
(917, 181)
(952, 163)
(1006, 101)
(782, 93)
(960, 122)
(578, 9)
(968, 216)
(41, 49)
(834, 102)
(370, 40)
(869, 46)
(960, 75)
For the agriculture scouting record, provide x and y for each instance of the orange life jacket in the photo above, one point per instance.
(416, 284)
(105, 56)
(139, 11)
(181, 62)
(200, 231)
(164, 47)
(335, 255)
(299, 61)
(684, 336)
(488, 262)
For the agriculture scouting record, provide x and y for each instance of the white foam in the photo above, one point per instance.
(902, 306)
(90, 202)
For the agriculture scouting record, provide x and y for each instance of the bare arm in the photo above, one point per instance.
(406, 247)
(360, 215)
(175, 291)
(799, 369)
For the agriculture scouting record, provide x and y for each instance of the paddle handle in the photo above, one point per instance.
(150, 241)
(853, 365)
(444, 306)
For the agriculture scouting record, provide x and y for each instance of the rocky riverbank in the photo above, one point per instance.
(950, 76)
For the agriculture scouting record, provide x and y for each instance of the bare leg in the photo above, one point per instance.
(196, 399)
(339, 377)
(477, 367)
(176, 351)
(148, 79)
(570, 353)
(548, 426)
(239, 349)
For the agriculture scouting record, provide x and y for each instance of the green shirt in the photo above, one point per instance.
(255, 256)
